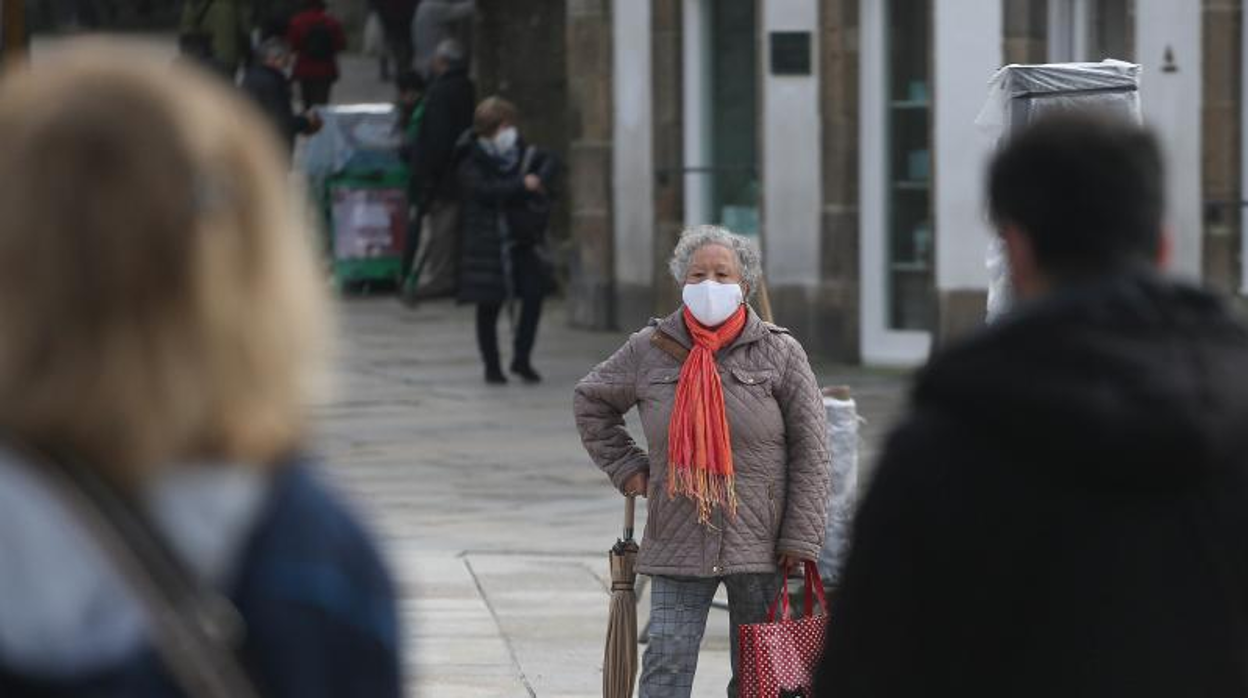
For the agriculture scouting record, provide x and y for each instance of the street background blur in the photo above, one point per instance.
(840, 132)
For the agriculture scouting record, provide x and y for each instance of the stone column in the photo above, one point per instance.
(1026, 31)
(837, 302)
(520, 53)
(669, 190)
(1221, 168)
(591, 264)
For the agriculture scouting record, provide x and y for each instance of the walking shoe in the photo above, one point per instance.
(526, 373)
(495, 377)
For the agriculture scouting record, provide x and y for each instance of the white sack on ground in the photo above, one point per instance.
(843, 444)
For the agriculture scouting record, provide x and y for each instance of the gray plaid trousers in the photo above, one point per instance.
(678, 611)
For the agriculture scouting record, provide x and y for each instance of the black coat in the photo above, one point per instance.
(1063, 513)
(496, 209)
(449, 107)
(270, 90)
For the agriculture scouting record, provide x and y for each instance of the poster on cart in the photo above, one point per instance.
(368, 223)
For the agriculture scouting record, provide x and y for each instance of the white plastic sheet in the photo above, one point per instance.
(843, 445)
(352, 133)
(1019, 94)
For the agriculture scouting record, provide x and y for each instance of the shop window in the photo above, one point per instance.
(911, 244)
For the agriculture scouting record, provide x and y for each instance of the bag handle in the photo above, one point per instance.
(194, 628)
(529, 153)
(813, 589)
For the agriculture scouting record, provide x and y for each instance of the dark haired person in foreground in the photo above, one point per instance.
(1064, 511)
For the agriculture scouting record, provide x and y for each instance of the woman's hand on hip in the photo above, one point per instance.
(637, 485)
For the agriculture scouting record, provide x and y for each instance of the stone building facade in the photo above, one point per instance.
(841, 133)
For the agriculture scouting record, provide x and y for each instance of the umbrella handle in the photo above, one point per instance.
(630, 505)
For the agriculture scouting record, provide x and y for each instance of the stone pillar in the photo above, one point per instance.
(669, 189)
(591, 265)
(837, 302)
(1026, 31)
(534, 30)
(1221, 167)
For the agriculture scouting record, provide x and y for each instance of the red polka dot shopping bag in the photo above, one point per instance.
(779, 657)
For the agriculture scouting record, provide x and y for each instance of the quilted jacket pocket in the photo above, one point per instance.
(754, 381)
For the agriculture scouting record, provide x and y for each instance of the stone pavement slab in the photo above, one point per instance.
(496, 523)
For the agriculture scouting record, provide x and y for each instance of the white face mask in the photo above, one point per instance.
(505, 139)
(712, 302)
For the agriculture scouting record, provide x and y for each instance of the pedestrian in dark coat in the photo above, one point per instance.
(266, 83)
(396, 23)
(1063, 511)
(505, 185)
(317, 38)
(434, 22)
(447, 115)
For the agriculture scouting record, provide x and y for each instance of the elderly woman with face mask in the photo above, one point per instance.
(506, 188)
(736, 472)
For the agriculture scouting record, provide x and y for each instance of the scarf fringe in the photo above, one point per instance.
(707, 490)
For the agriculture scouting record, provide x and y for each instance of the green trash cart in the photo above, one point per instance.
(366, 214)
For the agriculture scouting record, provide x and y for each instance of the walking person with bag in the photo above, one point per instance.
(506, 188)
(736, 473)
(266, 83)
(160, 533)
(317, 38)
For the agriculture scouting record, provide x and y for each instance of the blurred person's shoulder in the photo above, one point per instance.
(312, 554)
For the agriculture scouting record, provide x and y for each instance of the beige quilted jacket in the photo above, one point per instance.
(780, 456)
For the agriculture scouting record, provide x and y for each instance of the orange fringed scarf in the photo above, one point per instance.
(699, 445)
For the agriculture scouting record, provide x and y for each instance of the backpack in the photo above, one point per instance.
(319, 42)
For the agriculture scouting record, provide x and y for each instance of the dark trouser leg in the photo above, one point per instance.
(529, 288)
(526, 333)
(749, 596)
(678, 610)
(487, 336)
(410, 243)
(314, 93)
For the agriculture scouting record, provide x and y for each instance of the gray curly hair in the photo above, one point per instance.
(697, 237)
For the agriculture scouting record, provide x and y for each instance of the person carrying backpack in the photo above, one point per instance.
(316, 37)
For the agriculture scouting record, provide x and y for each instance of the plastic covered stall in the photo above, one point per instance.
(1020, 94)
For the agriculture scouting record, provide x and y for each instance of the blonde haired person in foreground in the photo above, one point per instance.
(162, 319)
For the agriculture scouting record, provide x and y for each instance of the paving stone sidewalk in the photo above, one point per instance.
(489, 510)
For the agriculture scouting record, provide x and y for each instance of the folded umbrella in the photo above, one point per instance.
(619, 661)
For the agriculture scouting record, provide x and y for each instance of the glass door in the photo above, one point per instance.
(911, 243)
(721, 114)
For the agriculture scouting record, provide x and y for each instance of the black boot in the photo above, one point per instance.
(494, 376)
(526, 373)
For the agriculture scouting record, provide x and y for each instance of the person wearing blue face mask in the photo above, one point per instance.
(505, 186)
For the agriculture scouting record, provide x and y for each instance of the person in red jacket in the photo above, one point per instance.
(316, 37)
